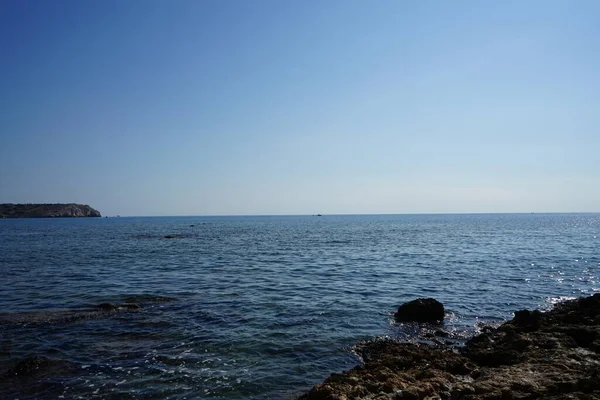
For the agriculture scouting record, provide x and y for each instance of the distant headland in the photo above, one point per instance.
(70, 210)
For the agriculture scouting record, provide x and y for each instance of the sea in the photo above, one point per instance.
(260, 307)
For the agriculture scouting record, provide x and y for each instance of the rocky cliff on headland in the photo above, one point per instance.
(9, 210)
(536, 355)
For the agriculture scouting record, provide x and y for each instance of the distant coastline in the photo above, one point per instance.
(69, 210)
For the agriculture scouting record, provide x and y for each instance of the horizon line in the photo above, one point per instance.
(349, 214)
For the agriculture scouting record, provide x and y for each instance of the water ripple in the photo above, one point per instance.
(262, 307)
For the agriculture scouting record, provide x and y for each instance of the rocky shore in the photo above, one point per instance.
(9, 210)
(549, 355)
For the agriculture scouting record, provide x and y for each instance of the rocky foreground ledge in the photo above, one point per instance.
(9, 210)
(549, 355)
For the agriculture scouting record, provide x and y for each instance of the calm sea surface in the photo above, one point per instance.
(260, 307)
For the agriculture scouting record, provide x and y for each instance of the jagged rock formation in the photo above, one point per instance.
(9, 210)
(551, 355)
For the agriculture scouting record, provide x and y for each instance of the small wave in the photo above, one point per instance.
(552, 301)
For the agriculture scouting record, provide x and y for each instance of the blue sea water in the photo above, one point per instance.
(261, 307)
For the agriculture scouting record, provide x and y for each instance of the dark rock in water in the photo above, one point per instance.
(35, 377)
(527, 318)
(29, 366)
(104, 310)
(537, 355)
(107, 307)
(161, 236)
(131, 306)
(177, 236)
(421, 310)
(35, 366)
(115, 307)
(442, 333)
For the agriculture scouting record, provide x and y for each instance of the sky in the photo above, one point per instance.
(235, 107)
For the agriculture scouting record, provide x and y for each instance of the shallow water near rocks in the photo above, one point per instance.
(261, 307)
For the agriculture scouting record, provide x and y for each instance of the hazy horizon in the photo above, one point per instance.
(334, 215)
(210, 108)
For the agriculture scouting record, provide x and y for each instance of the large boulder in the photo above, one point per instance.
(421, 310)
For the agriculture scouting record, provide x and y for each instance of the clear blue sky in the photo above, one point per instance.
(143, 107)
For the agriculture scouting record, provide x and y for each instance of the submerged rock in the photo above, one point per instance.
(35, 377)
(421, 310)
(31, 366)
(66, 316)
(175, 236)
(115, 307)
(107, 307)
(35, 367)
(551, 355)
